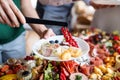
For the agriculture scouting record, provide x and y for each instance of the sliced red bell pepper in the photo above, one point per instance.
(69, 66)
(62, 76)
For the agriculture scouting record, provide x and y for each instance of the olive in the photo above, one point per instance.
(33, 54)
(56, 41)
(25, 73)
(52, 42)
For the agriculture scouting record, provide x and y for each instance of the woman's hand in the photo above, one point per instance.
(100, 6)
(10, 14)
(48, 33)
(42, 31)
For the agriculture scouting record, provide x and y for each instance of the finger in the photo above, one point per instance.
(51, 31)
(4, 17)
(52, 35)
(10, 14)
(17, 12)
(46, 35)
(2, 21)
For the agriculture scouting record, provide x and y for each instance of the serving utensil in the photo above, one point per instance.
(47, 22)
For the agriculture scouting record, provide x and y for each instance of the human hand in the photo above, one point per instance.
(48, 33)
(10, 14)
(100, 6)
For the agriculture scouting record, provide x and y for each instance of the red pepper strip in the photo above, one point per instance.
(68, 37)
(63, 70)
(62, 76)
(69, 66)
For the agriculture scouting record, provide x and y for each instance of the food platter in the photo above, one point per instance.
(83, 45)
(107, 2)
(104, 61)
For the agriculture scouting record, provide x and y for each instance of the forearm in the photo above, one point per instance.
(29, 11)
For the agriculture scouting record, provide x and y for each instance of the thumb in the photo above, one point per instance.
(49, 33)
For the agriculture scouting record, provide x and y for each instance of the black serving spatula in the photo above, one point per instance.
(47, 22)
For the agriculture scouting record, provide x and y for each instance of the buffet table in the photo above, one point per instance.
(103, 62)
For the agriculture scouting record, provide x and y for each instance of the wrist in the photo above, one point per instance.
(43, 31)
(39, 29)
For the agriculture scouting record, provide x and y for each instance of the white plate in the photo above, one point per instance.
(107, 2)
(81, 43)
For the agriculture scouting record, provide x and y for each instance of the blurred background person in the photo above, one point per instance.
(56, 10)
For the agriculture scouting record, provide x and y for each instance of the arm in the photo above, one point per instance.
(10, 14)
(29, 11)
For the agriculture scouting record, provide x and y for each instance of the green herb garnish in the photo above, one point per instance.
(78, 77)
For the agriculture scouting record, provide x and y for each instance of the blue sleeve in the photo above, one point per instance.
(86, 1)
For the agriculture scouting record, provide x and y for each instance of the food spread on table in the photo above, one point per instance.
(104, 61)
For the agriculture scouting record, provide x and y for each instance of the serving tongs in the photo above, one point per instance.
(47, 22)
(64, 29)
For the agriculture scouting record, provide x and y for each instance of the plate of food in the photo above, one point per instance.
(57, 49)
(107, 2)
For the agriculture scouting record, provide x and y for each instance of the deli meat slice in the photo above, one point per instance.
(85, 69)
(92, 46)
(96, 61)
(46, 52)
